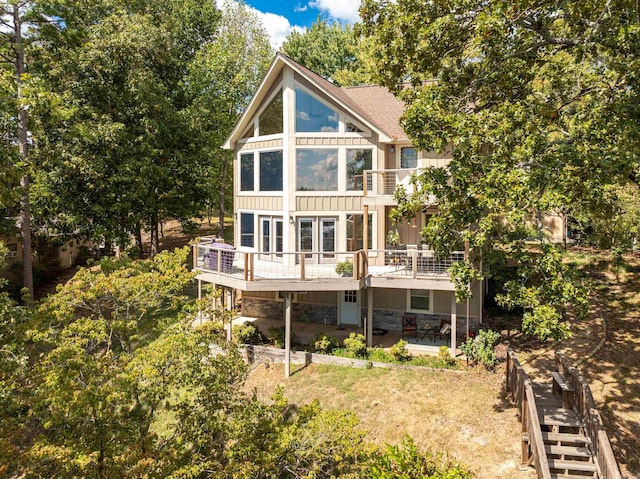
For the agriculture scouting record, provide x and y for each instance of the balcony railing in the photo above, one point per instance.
(385, 182)
(258, 266)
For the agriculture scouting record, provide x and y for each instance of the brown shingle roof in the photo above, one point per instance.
(374, 103)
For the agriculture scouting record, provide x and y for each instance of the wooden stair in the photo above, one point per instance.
(568, 450)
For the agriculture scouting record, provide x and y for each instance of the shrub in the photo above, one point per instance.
(344, 268)
(247, 333)
(480, 350)
(400, 352)
(356, 345)
(444, 357)
(276, 336)
(325, 344)
(379, 355)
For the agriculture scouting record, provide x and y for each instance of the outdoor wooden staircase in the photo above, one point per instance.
(562, 433)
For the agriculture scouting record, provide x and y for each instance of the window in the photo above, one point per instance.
(328, 240)
(271, 171)
(355, 232)
(316, 170)
(352, 128)
(246, 172)
(246, 229)
(306, 232)
(419, 300)
(248, 133)
(271, 235)
(270, 121)
(357, 162)
(408, 157)
(312, 115)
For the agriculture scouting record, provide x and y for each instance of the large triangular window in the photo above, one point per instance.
(312, 115)
(270, 121)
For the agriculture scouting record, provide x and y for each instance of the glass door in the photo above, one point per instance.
(306, 236)
(277, 247)
(328, 240)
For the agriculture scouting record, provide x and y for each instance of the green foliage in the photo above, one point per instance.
(463, 274)
(444, 356)
(356, 345)
(344, 268)
(525, 99)
(481, 349)
(325, 344)
(399, 351)
(247, 333)
(277, 335)
(406, 461)
(329, 49)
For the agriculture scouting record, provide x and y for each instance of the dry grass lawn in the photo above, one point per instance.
(461, 413)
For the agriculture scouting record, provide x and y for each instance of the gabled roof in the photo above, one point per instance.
(374, 106)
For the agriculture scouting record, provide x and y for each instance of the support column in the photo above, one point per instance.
(199, 299)
(454, 325)
(370, 317)
(229, 304)
(287, 335)
(365, 224)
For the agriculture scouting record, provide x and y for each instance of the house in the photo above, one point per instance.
(315, 169)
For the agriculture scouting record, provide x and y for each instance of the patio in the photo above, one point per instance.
(305, 332)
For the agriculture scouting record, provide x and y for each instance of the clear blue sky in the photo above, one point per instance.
(281, 16)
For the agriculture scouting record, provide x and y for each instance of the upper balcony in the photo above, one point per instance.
(316, 271)
(381, 185)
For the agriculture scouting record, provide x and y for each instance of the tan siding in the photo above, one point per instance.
(258, 203)
(329, 203)
(384, 298)
(259, 295)
(431, 158)
(254, 145)
(318, 297)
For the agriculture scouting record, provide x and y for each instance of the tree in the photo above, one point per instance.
(539, 102)
(222, 80)
(125, 159)
(332, 50)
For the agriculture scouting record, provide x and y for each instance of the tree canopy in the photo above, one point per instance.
(539, 103)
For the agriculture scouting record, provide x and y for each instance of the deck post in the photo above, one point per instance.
(302, 271)
(369, 318)
(287, 335)
(246, 267)
(365, 226)
(250, 266)
(454, 321)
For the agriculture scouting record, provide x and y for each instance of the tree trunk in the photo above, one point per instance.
(221, 200)
(154, 234)
(139, 238)
(23, 148)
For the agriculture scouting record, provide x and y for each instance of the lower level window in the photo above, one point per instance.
(419, 300)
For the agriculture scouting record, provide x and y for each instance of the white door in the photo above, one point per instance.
(306, 237)
(349, 307)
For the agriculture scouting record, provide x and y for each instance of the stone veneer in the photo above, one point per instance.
(391, 320)
(310, 313)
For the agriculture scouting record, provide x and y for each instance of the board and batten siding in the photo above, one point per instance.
(258, 203)
(328, 203)
(333, 141)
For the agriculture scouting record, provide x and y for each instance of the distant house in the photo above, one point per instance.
(315, 169)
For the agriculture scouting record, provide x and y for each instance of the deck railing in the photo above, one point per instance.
(521, 391)
(585, 407)
(255, 266)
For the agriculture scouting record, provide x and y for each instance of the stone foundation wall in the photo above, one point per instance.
(257, 308)
(310, 313)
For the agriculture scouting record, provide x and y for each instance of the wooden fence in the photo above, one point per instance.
(521, 391)
(585, 407)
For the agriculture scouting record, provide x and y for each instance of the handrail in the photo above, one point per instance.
(585, 407)
(521, 391)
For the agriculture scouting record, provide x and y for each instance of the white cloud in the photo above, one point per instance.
(277, 26)
(300, 8)
(339, 9)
